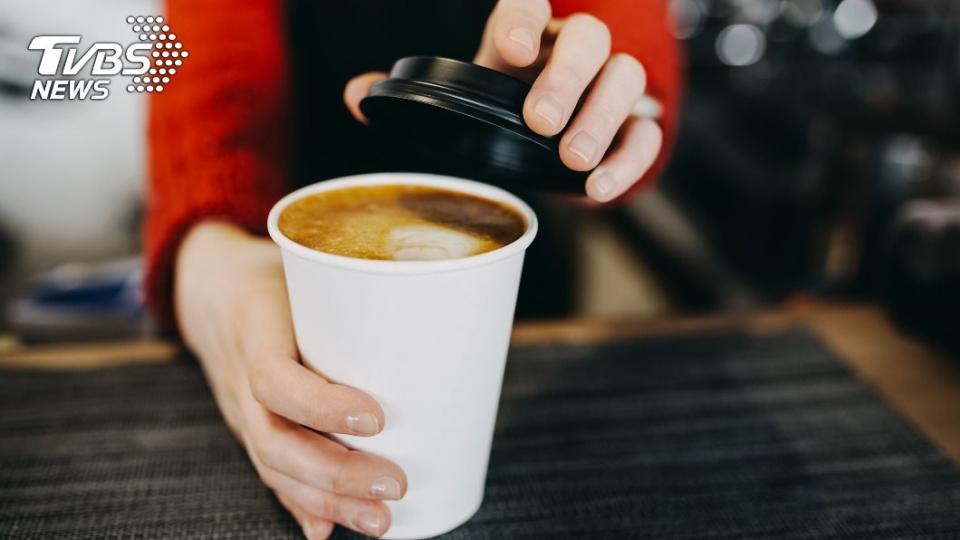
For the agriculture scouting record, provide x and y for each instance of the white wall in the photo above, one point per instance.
(71, 172)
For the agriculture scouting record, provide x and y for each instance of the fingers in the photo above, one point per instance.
(513, 33)
(639, 144)
(316, 510)
(286, 387)
(611, 100)
(580, 51)
(314, 528)
(317, 529)
(321, 463)
(357, 89)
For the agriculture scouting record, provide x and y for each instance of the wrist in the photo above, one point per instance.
(204, 237)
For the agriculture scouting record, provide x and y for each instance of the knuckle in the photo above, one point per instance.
(261, 385)
(327, 415)
(340, 473)
(655, 132)
(564, 73)
(630, 69)
(268, 452)
(543, 7)
(646, 136)
(322, 506)
(322, 419)
(341, 510)
(597, 29)
(605, 116)
(536, 10)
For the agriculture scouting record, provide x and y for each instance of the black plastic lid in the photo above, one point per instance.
(467, 120)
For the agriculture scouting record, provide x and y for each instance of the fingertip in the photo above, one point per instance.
(317, 529)
(518, 28)
(544, 114)
(602, 186)
(573, 162)
(352, 94)
(371, 522)
(364, 423)
(387, 488)
(518, 46)
(402, 476)
(537, 124)
(581, 151)
(358, 88)
(628, 162)
(361, 414)
(392, 485)
(373, 408)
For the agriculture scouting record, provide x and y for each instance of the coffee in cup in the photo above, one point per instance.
(400, 222)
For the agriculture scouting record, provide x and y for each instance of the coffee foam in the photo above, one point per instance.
(400, 222)
(429, 243)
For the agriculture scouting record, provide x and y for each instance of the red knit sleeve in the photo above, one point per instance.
(642, 28)
(217, 133)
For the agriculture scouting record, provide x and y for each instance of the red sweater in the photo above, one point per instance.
(219, 133)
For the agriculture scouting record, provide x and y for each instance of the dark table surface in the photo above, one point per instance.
(811, 421)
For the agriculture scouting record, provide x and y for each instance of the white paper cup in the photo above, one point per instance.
(427, 339)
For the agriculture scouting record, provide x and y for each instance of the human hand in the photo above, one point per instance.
(566, 60)
(232, 306)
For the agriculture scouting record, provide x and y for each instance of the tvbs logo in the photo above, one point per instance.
(150, 62)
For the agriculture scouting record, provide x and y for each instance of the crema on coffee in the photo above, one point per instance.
(400, 222)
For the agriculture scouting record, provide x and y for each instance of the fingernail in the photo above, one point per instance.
(385, 488)
(521, 36)
(363, 423)
(584, 146)
(368, 522)
(604, 186)
(550, 109)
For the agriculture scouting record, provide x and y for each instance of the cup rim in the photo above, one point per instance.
(451, 183)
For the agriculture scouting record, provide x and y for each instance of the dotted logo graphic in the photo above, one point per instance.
(167, 53)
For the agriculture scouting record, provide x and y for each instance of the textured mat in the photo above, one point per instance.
(721, 436)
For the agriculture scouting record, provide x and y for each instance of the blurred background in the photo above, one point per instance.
(71, 184)
(818, 156)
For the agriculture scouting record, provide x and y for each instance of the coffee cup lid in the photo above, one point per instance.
(467, 120)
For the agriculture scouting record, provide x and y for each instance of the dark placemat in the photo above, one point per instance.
(718, 436)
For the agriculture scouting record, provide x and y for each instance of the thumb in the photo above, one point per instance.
(513, 33)
(357, 89)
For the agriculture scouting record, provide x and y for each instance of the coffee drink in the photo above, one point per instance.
(428, 340)
(400, 222)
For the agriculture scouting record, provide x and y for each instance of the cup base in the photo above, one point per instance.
(408, 533)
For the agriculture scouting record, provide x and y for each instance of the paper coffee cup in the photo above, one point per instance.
(427, 339)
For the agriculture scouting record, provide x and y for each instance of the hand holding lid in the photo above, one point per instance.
(573, 129)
